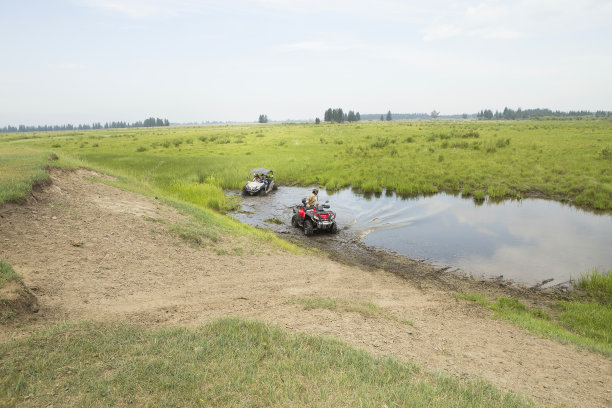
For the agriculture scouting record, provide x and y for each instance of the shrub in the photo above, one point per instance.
(471, 133)
(606, 153)
(501, 143)
(380, 143)
(460, 145)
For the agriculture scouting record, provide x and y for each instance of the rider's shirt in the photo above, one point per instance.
(311, 201)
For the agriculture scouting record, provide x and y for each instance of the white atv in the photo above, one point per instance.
(259, 182)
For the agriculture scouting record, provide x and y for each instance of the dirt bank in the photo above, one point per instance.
(90, 251)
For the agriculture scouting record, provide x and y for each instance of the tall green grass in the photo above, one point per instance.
(562, 160)
(229, 363)
(597, 284)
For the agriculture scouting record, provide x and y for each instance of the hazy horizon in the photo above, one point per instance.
(86, 61)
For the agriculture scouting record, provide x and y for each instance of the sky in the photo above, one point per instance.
(85, 61)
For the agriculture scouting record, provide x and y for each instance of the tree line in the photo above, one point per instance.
(339, 116)
(149, 122)
(510, 114)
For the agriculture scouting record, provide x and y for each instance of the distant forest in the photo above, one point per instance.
(377, 116)
(509, 114)
(150, 122)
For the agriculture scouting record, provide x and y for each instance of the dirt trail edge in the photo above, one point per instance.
(91, 251)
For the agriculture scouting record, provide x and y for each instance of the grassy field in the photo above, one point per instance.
(236, 363)
(569, 161)
(229, 363)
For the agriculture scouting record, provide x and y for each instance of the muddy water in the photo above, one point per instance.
(528, 241)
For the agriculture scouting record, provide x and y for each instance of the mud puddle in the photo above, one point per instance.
(527, 242)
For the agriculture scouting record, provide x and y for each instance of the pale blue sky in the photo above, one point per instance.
(84, 61)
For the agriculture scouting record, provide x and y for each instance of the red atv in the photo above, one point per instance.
(314, 218)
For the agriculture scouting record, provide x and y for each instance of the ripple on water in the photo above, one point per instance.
(525, 241)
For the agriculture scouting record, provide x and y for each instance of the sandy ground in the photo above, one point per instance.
(91, 251)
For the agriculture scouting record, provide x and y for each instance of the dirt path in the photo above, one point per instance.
(90, 251)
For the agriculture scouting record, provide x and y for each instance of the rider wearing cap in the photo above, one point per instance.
(311, 201)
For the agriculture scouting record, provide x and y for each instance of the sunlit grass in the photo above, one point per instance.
(229, 363)
(19, 170)
(597, 284)
(561, 160)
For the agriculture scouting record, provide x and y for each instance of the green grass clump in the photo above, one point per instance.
(7, 274)
(367, 309)
(202, 194)
(477, 298)
(479, 195)
(229, 362)
(509, 307)
(587, 319)
(317, 303)
(274, 221)
(195, 234)
(597, 284)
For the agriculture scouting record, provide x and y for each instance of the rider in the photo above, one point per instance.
(311, 201)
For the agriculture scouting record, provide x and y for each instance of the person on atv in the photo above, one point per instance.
(311, 201)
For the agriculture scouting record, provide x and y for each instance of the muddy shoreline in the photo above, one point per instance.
(348, 249)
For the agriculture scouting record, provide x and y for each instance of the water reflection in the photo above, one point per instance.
(527, 241)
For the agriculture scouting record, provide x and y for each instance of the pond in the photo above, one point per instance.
(526, 241)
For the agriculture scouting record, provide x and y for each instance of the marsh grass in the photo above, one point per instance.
(479, 195)
(228, 362)
(202, 194)
(597, 284)
(523, 156)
